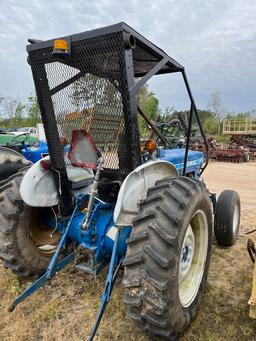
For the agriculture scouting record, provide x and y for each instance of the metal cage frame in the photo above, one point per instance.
(141, 61)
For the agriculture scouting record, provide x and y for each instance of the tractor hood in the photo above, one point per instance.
(176, 157)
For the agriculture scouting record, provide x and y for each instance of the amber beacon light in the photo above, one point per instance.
(61, 48)
(150, 145)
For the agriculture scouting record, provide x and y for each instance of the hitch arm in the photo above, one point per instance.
(41, 281)
(110, 281)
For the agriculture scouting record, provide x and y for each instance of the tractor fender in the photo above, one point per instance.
(37, 188)
(135, 186)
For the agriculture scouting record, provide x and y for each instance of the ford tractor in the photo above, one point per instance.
(105, 197)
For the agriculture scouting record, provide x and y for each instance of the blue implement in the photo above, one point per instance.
(110, 281)
(51, 266)
(41, 281)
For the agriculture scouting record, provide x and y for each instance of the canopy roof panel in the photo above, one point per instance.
(145, 54)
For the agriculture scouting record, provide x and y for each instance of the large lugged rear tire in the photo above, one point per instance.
(168, 256)
(16, 249)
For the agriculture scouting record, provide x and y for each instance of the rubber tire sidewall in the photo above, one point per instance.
(18, 253)
(223, 219)
(164, 315)
(203, 205)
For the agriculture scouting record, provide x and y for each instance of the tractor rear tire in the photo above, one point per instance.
(161, 294)
(227, 218)
(11, 162)
(16, 251)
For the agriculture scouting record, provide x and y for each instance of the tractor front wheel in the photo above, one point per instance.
(27, 240)
(168, 256)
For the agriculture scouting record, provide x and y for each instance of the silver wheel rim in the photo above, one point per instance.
(192, 258)
(236, 219)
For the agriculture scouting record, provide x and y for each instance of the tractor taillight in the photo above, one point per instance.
(45, 165)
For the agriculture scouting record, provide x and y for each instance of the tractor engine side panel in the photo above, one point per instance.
(176, 157)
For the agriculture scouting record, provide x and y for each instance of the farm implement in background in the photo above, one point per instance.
(242, 146)
(229, 155)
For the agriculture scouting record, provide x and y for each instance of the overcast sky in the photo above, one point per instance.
(214, 40)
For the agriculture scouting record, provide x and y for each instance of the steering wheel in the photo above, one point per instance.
(16, 139)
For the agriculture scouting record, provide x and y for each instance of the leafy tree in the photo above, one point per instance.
(149, 103)
(210, 122)
(8, 107)
(33, 111)
(1, 100)
(91, 90)
(15, 113)
(12, 112)
(151, 106)
(211, 126)
(248, 114)
(215, 106)
(18, 118)
(1, 116)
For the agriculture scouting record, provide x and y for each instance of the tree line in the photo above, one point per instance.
(15, 113)
(211, 118)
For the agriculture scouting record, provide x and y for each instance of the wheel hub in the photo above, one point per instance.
(192, 258)
(187, 254)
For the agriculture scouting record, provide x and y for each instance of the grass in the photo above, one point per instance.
(66, 307)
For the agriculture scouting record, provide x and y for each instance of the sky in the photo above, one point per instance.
(215, 40)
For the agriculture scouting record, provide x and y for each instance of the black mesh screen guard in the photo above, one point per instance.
(87, 91)
(91, 90)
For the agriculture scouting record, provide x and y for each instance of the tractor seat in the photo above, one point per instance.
(80, 177)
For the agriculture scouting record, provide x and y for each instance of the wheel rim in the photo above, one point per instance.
(192, 258)
(42, 233)
(236, 219)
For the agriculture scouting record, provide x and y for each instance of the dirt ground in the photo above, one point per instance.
(240, 177)
(66, 308)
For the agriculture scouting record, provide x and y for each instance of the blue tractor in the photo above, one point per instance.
(17, 152)
(104, 197)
